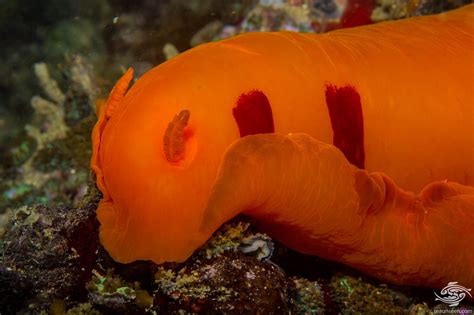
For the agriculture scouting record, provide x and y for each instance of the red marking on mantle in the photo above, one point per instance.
(345, 111)
(253, 114)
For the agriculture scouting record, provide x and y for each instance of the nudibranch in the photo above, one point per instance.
(356, 146)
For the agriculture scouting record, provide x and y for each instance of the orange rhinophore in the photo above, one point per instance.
(356, 146)
(174, 144)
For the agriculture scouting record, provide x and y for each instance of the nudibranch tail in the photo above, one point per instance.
(377, 227)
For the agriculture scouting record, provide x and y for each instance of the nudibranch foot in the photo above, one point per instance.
(321, 204)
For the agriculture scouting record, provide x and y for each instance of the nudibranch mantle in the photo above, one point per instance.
(410, 93)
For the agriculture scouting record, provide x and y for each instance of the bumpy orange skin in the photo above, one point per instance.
(415, 81)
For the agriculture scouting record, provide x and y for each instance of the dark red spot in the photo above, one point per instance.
(358, 13)
(347, 122)
(253, 114)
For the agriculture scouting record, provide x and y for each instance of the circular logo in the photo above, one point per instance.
(452, 294)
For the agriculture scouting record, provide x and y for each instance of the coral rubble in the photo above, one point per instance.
(48, 253)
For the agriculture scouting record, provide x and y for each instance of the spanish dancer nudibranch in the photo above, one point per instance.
(356, 146)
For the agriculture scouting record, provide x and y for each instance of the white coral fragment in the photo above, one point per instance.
(49, 86)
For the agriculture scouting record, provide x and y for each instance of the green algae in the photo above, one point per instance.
(21, 153)
(354, 296)
(72, 152)
(227, 238)
(309, 297)
(83, 309)
(181, 284)
(113, 287)
(109, 285)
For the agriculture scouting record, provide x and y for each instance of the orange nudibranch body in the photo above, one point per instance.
(158, 147)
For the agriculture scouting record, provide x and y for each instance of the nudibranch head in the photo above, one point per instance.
(156, 151)
(154, 183)
(157, 145)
